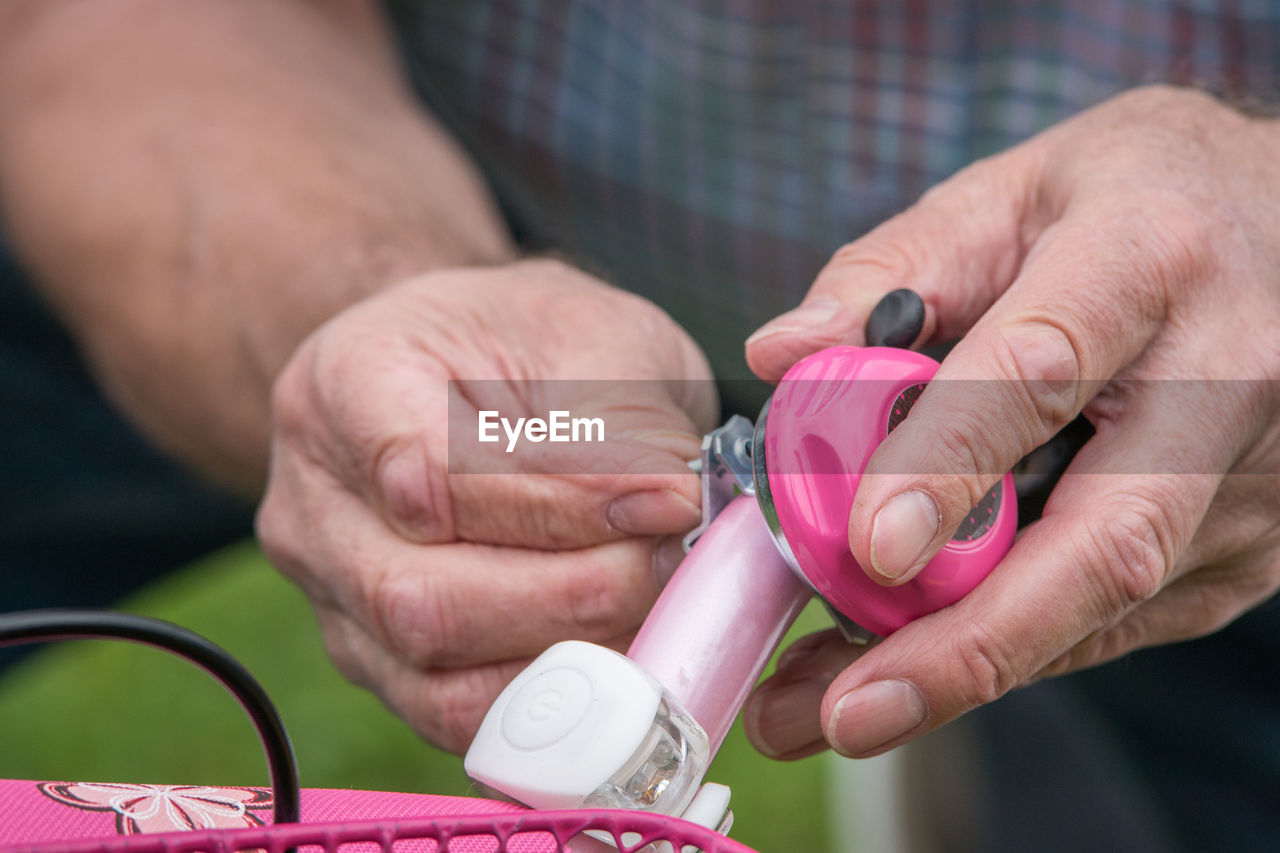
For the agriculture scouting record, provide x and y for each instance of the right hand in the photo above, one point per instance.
(433, 586)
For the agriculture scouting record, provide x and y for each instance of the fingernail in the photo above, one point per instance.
(667, 556)
(902, 530)
(682, 445)
(813, 314)
(652, 513)
(874, 714)
(785, 719)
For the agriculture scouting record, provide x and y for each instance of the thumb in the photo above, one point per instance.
(959, 247)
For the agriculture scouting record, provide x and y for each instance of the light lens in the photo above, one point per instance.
(664, 772)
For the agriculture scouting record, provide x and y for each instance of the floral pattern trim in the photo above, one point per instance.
(164, 808)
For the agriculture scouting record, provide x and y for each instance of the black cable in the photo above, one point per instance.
(38, 626)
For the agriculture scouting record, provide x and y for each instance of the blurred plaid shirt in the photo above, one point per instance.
(712, 155)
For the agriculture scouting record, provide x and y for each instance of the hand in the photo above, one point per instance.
(436, 579)
(1137, 242)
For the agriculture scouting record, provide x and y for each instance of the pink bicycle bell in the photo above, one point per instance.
(812, 442)
(584, 726)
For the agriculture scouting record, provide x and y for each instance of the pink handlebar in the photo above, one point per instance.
(719, 620)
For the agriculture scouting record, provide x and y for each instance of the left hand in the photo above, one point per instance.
(1137, 242)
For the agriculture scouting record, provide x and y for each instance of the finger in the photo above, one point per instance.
(1241, 517)
(457, 603)
(1194, 430)
(1028, 367)
(781, 716)
(959, 247)
(381, 434)
(1222, 571)
(1240, 413)
(461, 603)
(1108, 541)
(1193, 606)
(627, 474)
(646, 385)
(444, 706)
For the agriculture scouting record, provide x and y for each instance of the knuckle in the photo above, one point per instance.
(451, 709)
(1182, 239)
(408, 489)
(988, 666)
(536, 513)
(965, 468)
(1164, 239)
(1161, 119)
(414, 618)
(599, 607)
(1131, 555)
(1193, 113)
(1043, 363)
(954, 441)
(342, 654)
(291, 404)
(276, 533)
(270, 525)
(1162, 97)
(553, 516)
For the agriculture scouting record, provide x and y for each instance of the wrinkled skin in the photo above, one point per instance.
(434, 584)
(1139, 240)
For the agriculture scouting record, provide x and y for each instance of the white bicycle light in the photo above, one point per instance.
(584, 726)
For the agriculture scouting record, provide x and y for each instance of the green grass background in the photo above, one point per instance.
(98, 711)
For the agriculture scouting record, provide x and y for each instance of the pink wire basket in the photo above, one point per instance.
(79, 817)
(514, 832)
